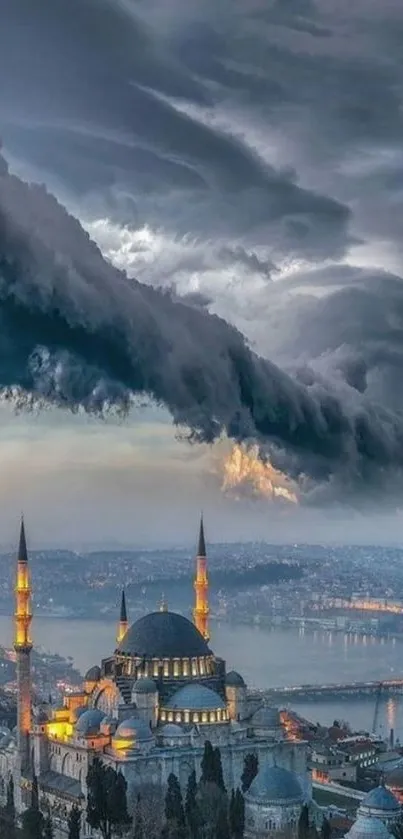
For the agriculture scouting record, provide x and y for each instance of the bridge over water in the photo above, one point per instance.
(389, 687)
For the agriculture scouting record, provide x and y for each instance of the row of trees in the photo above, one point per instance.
(34, 824)
(207, 811)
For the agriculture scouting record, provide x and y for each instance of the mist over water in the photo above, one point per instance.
(266, 658)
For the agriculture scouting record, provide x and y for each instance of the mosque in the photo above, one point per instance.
(147, 710)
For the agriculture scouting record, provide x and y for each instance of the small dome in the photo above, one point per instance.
(145, 686)
(394, 779)
(93, 674)
(380, 798)
(234, 680)
(133, 729)
(171, 730)
(78, 712)
(368, 828)
(273, 784)
(267, 717)
(89, 722)
(196, 697)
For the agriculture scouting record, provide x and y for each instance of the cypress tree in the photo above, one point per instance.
(107, 800)
(325, 830)
(239, 814)
(32, 819)
(74, 823)
(9, 810)
(208, 767)
(32, 824)
(174, 811)
(232, 814)
(138, 832)
(191, 806)
(303, 823)
(222, 826)
(217, 767)
(48, 829)
(250, 770)
(35, 794)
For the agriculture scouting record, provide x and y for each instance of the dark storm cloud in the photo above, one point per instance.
(93, 105)
(76, 332)
(355, 330)
(258, 131)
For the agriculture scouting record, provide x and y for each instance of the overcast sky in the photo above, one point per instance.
(245, 158)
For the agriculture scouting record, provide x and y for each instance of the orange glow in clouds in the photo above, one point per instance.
(243, 469)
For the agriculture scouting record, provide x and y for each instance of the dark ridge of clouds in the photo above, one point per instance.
(263, 131)
(78, 333)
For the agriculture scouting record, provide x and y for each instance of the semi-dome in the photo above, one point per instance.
(234, 680)
(366, 828)
(171, 730)
(196, 697)
(93, 674)
(89, 722)
(133, 729)
(273, 784)
(380, 799)
(145, 686)
(164, 635)
(266, 717)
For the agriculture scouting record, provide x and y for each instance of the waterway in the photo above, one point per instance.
(266, 658)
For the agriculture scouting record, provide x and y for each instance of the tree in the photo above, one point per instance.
(138, 832)
(148, 809)
(303, 823)
(237, 814)
(192, 811)
(9, 810)
(32, 819)
(222, 826)
(74, 823)
(217, 766)
(32, 824)
(174, 811)
(48, 829)
(250, 770)
(107, 800)
(326, 830)
(34, 794)
(208, 764)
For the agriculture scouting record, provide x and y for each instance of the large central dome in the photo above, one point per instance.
(163, 635)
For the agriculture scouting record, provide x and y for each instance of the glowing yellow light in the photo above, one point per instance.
(59, 730)
(243, 468)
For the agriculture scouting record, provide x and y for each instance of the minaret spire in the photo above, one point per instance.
(123, 622)
(201, 549)
(201, 609)
(23, 647)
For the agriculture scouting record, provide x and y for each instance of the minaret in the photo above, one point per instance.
(201, 609)
(23, 647)
(123, 622)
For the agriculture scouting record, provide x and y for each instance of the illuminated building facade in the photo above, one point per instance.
(146, 710)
